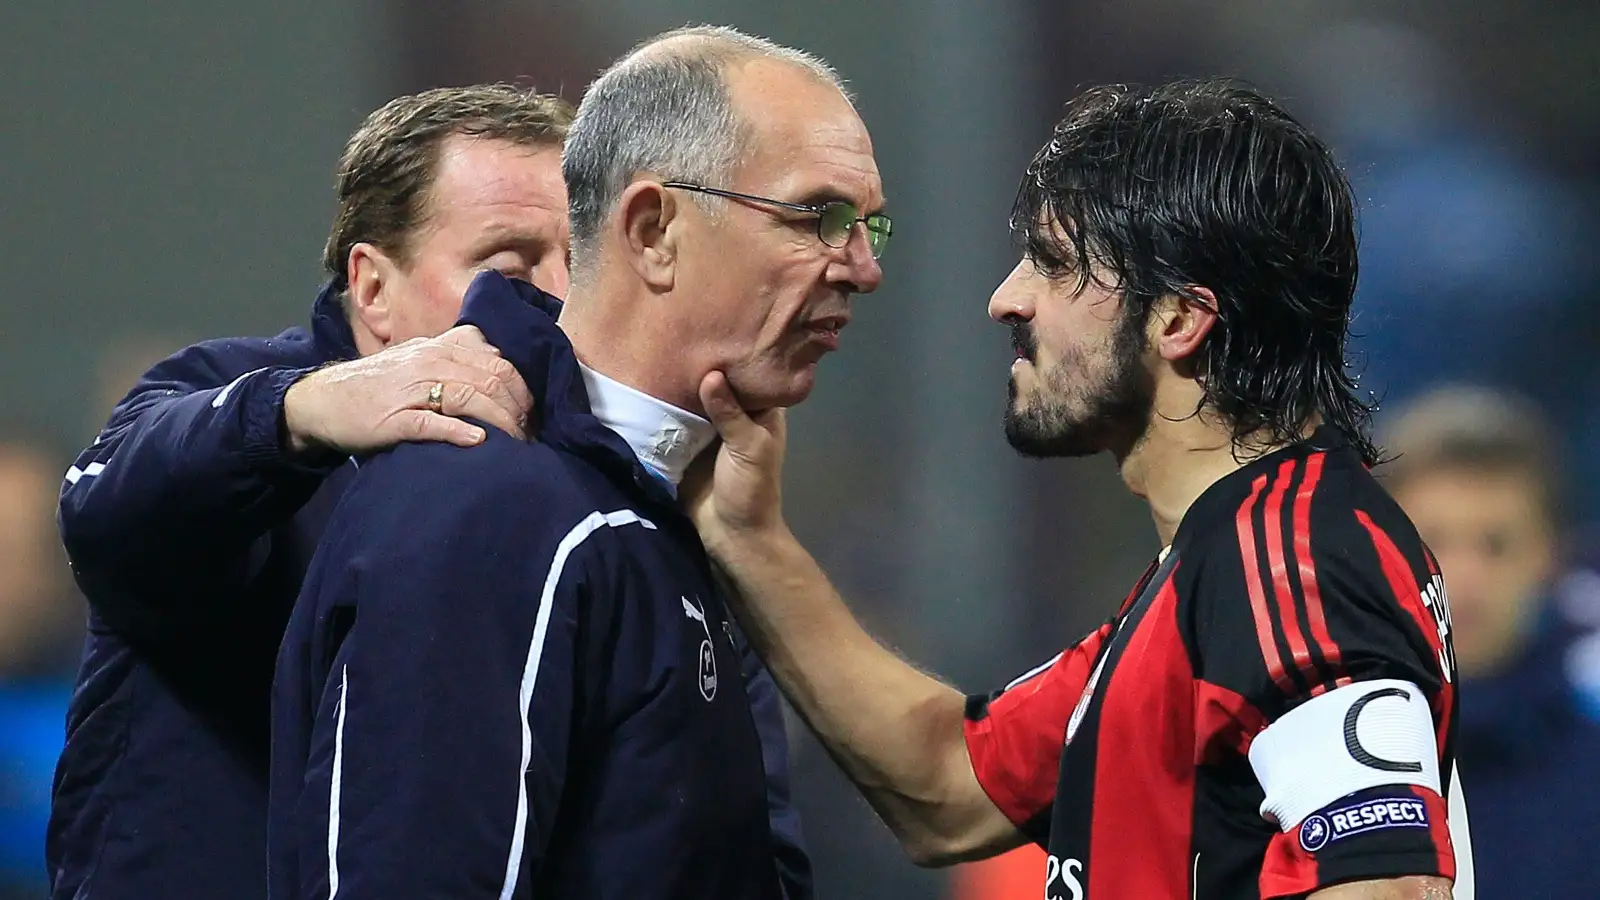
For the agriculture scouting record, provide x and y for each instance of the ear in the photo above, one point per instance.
(373, 279)
(650, 223)
(1179, 324)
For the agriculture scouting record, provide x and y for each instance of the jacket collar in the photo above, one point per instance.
(330, 326)
(520, 320)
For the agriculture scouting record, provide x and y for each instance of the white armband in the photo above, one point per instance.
(1363, 735)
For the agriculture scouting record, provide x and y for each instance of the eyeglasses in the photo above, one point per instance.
(836, 219)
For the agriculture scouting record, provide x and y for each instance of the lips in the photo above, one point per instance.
(825, 330)
(834, 324)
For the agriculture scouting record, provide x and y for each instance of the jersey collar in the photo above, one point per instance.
(1222, 499)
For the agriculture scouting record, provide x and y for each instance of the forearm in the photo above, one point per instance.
(182, 489)
(1418, 887)
(895, 731)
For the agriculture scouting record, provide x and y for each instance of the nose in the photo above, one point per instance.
(1011, 302)
(551, 275)
(854, 267)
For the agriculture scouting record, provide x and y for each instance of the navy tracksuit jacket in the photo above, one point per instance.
(190, 533)
(510, 674)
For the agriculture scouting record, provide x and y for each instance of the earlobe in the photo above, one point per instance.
(370, 272)
(650, 221)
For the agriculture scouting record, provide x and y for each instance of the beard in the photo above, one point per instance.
(1081, 406)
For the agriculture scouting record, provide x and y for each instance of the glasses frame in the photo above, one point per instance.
(875, 223)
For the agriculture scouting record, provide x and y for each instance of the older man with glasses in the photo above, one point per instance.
(511, 673)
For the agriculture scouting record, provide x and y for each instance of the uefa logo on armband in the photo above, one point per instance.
(1315, 833)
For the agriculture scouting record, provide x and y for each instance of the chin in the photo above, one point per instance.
(782, 391)
(1036, 435)
(1035, 444)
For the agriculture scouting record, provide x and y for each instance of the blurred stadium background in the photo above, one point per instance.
(168, 178)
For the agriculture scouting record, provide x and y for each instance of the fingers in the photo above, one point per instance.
(500, 380)
(422, 425)
(465, 401)
(724, 411)
(467, 337)
(743, 432)
(470, 393)
(521, 398)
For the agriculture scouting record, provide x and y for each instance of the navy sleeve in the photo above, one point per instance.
(766, 705)
(441, 744)
(166, 513)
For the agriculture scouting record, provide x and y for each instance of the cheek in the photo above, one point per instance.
(437, 299)
(551, 276)
(781, 302)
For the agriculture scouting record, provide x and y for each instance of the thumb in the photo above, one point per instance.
(735, 426)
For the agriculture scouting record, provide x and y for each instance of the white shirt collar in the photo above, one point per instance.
(664, 437)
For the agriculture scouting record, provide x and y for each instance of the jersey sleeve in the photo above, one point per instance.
(1321, 633)
(1015, 735)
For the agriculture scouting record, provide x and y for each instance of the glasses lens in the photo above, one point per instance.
(879, 228)
(836, 223)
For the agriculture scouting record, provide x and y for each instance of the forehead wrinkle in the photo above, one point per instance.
(837, 158)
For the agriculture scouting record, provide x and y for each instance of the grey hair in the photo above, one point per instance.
(666, 110)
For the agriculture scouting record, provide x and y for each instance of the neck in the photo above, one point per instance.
(664, 437)
(618, 330)
(1179, 456)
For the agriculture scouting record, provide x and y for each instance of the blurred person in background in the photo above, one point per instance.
(41, 633)
(1479, 472)
(1272, 712)
(510, 672)
(190, 520)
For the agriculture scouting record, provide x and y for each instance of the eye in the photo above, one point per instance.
(509, 264)
(1497, 544)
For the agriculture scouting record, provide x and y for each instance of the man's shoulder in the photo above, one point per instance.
(221, 360)
(1326, 526)
(530, 487)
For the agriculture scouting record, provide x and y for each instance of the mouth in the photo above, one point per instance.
(825, 330)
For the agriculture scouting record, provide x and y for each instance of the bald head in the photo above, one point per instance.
(668, 107)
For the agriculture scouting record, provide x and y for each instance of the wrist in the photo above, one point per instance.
(292, 435)
(742, 545)
(296, 441)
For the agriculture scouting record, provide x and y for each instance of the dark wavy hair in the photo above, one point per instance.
(1152, 192)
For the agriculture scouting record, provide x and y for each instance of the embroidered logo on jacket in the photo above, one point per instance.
(708, 657)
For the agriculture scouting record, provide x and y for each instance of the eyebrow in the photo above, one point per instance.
(508, 237)
(822, 195)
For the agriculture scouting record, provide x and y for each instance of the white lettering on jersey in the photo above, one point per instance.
(1061, 875)
(1438, 603)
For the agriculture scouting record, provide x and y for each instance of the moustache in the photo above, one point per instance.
(1022, 341)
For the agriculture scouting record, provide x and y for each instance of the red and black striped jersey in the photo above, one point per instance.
(1239, 729)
